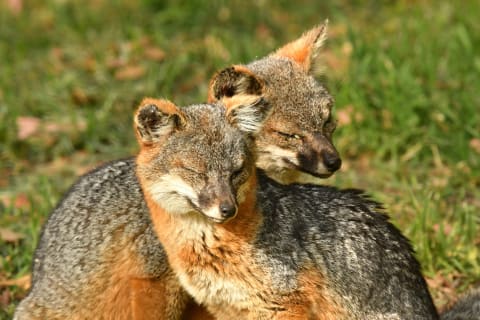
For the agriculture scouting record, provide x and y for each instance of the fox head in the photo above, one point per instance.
(200, 158)
(297, 136)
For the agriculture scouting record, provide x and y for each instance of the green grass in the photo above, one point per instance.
(405, 77)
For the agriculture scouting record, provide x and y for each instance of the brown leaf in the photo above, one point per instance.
(21, 201)
(447, 228)
(155, 54)
(22, 282)
(27, 126)
(15, 6)
(263, 32)
(130, 73)
(5, 298)
(8, 235)
(90, 64)
(115, 63)
(79, 96)
(344, 115)
(475, 145)
(64, 126)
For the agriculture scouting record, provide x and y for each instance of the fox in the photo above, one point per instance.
(466, 308)
(247, 247)
(98, 255)
(295, 143)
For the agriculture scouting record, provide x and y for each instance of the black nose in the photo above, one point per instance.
(227, 209)
(331, 161)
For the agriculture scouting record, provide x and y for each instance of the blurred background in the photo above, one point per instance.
(405, 76)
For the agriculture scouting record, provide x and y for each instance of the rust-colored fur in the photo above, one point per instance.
(218, 262)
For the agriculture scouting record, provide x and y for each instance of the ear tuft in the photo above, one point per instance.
(247, 112)
(155, 119)
(306, 50)
(233, 81)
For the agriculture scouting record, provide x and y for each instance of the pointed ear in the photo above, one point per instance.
(156, 119)
(233, 81)
(305, 50)
(247, 112)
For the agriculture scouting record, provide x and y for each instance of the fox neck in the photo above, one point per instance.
(185, 237)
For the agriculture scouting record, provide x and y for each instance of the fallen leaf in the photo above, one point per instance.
(129, 73)
(475, 145)
(79, 96)
(22, 282)
(344, 115)
(27, 126)
(8, 235)
(263, 32)
(155, 54)
(5, 298)
(443, 288)
(446, 227)
(90, 64)
(15, 6)
(115, 63)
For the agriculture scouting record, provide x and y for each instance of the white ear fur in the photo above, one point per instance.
(247, 112)
(317, 66)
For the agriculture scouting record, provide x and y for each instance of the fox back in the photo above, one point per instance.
(466, 308)
(272, 251)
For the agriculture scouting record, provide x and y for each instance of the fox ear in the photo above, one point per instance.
(156, 119)
(233, 81)
(306, 50)
(247, 112)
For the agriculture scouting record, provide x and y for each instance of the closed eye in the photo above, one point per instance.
(289, 135)
(192, 170)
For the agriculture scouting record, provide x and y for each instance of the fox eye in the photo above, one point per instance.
(289, 135)
(192, 170)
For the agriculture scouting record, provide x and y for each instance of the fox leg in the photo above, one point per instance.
(157, 298)
(195, 311)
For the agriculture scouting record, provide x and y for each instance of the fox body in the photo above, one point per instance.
(119, 273)
(98, 256)
(466, 308)
(248, 247)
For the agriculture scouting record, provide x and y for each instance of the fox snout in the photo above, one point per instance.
(331, 160)
(221, 211)
(218, 204)
(227, 209)
(320, 158)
